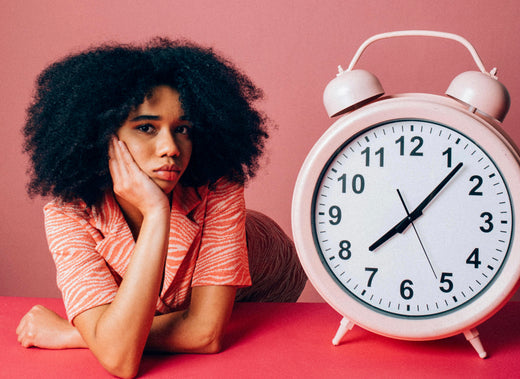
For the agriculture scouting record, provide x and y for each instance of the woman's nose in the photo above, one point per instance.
(166, 145)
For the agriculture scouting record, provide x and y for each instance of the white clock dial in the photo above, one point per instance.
(412, 218)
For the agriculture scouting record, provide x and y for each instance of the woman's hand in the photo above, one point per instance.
(41, 327)
(130, 183)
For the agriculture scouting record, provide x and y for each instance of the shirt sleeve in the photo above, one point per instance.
(82, 274)
(222, 256)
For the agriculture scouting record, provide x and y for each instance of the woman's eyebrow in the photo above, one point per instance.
(145, 117)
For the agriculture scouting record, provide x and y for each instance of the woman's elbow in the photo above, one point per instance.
(209, 343)
(122, 371)
(214, 346)
(121, 366)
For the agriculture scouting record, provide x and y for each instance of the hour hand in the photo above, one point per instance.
(398, 228)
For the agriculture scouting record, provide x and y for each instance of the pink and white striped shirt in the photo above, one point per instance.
(92, 246)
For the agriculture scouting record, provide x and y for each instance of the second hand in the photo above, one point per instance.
(417, 234)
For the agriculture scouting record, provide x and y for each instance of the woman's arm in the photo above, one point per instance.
(116, 333)
(200, 328)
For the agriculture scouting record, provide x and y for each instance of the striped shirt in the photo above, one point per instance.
(92, 246)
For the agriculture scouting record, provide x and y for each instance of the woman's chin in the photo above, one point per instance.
(168, 187)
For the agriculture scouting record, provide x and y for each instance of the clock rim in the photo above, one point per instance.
(441, 110)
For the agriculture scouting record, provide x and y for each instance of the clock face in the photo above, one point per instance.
(412, 218)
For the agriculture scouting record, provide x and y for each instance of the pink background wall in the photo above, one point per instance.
(289, 48)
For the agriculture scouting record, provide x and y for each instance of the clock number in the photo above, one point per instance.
(473, 258)
(335, 214)
(489, 225)
(344, 252)
(358, 183)
(401, 141)
(343, 180)
(380, 152)
(415, 152)
(474, 191)
(406, 289)
(372, 271)
(448, 282)
(447, 152)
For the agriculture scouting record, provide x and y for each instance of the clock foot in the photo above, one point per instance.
(473, 337)
(344, 326)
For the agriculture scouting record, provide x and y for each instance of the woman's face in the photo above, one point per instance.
(157, 137)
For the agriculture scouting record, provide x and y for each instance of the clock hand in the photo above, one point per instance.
(417, 234)
(398, 228)
(417, 212)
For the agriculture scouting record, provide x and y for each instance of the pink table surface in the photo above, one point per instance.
(276, 340)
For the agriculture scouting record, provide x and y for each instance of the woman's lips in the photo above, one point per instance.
(169, 173)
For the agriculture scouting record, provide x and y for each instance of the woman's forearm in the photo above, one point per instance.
(117, 333)
(200, 328)
(179, 333)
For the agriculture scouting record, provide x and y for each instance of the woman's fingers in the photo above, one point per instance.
(26, 329)
(124, 154)
(126, 175)
(117, 162)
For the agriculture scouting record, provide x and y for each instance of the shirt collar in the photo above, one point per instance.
(108, 217)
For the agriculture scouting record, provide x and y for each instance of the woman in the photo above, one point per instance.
(145, 151)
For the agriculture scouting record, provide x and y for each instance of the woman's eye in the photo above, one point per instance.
(183, 129)
(145, 128)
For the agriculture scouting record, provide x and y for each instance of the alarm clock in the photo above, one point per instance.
(404, 211)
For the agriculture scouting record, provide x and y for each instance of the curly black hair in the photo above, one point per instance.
(82, 100)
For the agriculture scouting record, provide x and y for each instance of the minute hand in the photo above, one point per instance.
(418, 211)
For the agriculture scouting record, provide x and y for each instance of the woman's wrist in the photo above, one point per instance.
(158, 209)
(157, 216)
(73, 339)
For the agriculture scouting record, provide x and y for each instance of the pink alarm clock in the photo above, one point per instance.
(404, 211)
